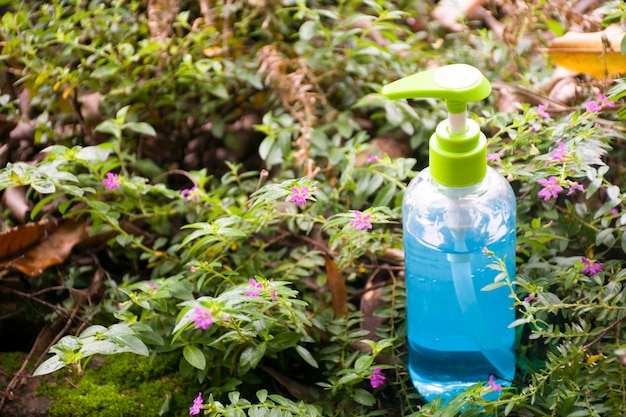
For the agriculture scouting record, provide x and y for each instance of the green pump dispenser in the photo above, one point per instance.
(456, 214)
(457, 149)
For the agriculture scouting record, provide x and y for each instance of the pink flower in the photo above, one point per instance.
(495, 156)
(604, 100)
(575, 186)
(551, 188)
(493, 384)
(542, 112)
(202, 318)
(559, 152)
(361, 222)
(299, 195)
(190, 194)
(112, 181)
(591, 267)
(376, 378)
(372, 158)
(596, 107)
(256, 288)
(197, 405)
(592, 106)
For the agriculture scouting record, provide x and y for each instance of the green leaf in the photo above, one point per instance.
(306, 355)
(361, 364)
(606, 237)
(384, 196)
(111, 128)
(555, 26)
(92, 154)
(252, 355)
(105, 71)
(307, 30)
(493, 286)
(43, 186)
(284, 341)
(141, 127)
(194, 356)
(364, 397)
(261, 395)
(50, 365)
(521, 321)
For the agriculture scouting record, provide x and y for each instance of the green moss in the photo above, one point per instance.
(125, 385)
(10, 362)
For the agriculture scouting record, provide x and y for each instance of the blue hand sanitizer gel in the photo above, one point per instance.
(458, 217)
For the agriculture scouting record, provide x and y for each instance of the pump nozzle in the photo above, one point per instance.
(458, 84)
(458, 150)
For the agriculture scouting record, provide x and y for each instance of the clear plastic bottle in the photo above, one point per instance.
(444, 356)
(459, 217)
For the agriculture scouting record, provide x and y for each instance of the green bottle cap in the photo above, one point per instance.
(457, 149)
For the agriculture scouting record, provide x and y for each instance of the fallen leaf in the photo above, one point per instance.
(17, 240)
(337, 286)
(34, 247)
(595, 53)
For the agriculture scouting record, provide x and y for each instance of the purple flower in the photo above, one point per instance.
(190, 194)
(495, 156)
(361, 222)
(559, 152)
(112, 181)
(376, 378)
(372, 158)
(256, 288)
(575, 186)
(551, 188)
(197, 405)
(591, 267)
(596, 107)
(592, 106)
(493, 384)
(202, 318)
(604, 100)
(299, 195)
(542, 112)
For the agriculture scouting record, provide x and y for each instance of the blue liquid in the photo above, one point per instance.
(444, 356)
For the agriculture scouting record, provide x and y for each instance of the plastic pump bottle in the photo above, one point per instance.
(457, 215)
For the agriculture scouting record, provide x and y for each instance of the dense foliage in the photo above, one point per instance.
(245, 177)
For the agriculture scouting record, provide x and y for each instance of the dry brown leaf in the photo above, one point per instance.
(337, 286)
(595, 53)
(34, 247)
(17, 240)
